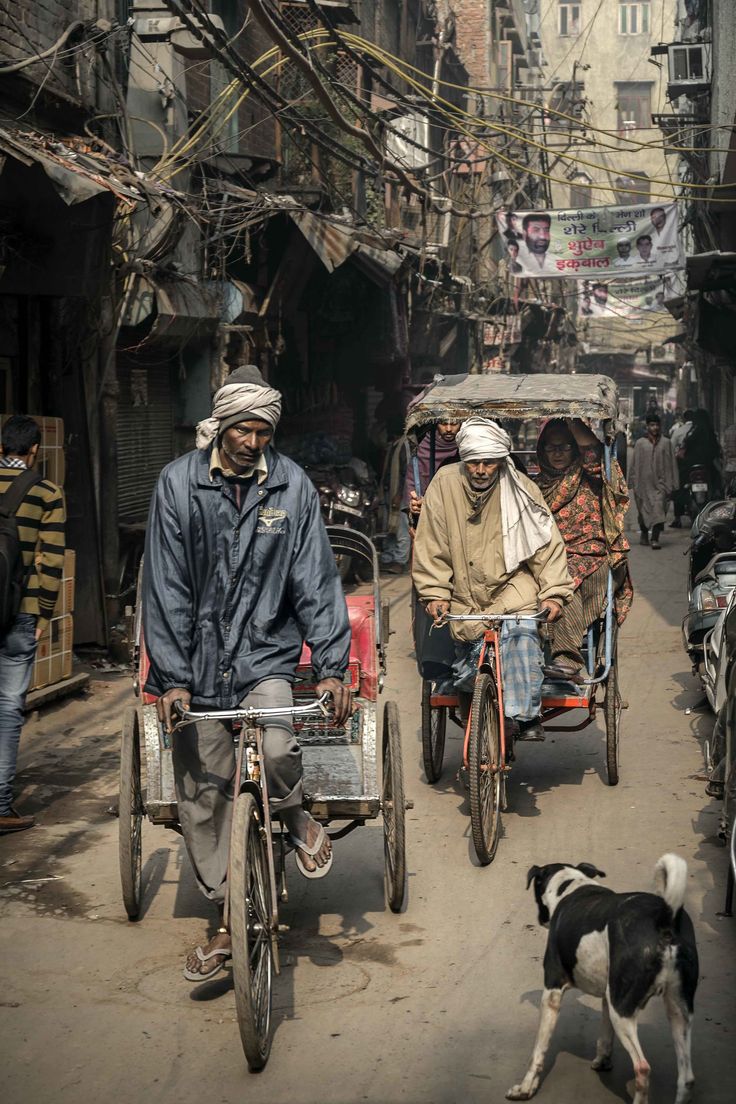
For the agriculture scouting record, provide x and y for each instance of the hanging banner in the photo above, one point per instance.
(635, 300)
(595, 243)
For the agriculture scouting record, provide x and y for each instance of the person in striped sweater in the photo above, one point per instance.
(40, 519)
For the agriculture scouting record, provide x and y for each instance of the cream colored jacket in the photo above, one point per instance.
(461, 560)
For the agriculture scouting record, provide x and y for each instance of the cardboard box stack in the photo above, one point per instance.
(54, 654)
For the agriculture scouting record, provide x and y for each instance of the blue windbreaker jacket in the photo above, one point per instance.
(230, 594)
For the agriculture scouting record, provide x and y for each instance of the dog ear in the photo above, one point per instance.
(534, 872)
(590, 871)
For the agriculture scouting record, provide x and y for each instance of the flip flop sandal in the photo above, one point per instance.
(311, 851)
(223, 952)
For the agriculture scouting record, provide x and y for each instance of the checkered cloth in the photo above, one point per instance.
(521, 666)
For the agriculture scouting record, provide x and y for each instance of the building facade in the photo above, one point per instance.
(605, 96)
(184, 189)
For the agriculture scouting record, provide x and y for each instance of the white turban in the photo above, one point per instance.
(526, 524)
(234, 402)
(482, 439)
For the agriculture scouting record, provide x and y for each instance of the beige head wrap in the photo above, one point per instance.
(244, 394)
(526, 525)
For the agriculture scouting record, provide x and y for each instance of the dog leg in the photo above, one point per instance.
(628, 1036)
(550, 1010)
(604, 1046)
(681, 1025)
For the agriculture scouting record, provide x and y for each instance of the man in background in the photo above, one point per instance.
(38, 507)
(653, 477)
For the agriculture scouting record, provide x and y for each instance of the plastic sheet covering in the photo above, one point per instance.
(517, 397)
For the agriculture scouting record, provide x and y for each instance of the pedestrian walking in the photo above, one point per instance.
(653, 478)
(397, 545)
(31, 567)
(678, 434)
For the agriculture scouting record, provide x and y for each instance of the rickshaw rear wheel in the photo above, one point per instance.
(393, 804)
(130, 813)
(485, 769)
(612, 708)
(434, 727)
(251, 930)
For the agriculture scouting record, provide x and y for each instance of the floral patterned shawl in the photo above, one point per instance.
(589, 510)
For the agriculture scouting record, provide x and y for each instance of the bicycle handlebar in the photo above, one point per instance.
(249, 714)
(492, 617)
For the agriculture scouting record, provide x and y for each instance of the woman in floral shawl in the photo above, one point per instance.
(589, 510)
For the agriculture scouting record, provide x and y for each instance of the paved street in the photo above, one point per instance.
(435, 1006)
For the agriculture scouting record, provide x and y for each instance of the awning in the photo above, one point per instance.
(711, 271)
(332, 242)
(335, 243)
(75, 176)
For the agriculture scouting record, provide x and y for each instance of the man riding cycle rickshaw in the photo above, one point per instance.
(238, 573)
(490, 565)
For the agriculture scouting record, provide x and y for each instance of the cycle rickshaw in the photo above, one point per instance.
(344, 781)
(508, 399)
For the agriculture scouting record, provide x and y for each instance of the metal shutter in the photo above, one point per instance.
(145, 434)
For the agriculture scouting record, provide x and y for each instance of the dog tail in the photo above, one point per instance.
(670, 881)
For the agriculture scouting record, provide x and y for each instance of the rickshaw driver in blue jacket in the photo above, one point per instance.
(238, 574)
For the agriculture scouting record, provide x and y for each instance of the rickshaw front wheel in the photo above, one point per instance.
(393, 805)
(251, 930)
(130, 813)
(485, 769)
(434, 727)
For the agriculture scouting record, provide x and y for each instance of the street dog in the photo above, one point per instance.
(624, 948)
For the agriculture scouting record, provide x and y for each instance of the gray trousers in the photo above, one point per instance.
(203, 757)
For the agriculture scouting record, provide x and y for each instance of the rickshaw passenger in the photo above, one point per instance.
(445, 452)
(486, 541)
(589, 509)
(238, 573)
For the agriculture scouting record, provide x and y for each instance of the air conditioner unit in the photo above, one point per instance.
(689, 68)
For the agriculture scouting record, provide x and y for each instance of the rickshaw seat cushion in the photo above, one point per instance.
(361, 612)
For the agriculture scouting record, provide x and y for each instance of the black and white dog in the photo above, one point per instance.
(624, 948)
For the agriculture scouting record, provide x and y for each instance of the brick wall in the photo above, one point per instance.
(473, 37)
(32, 26)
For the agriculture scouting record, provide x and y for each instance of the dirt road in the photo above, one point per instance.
(434, 1006)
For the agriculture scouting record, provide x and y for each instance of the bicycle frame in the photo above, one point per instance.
(493, 667)
(250, 775)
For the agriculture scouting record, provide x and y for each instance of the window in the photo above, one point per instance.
(634, 105)
(632, 190)
(569, 20)
(633, 19)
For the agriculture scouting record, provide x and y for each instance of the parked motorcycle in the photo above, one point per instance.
(711, 577)
(720, 750)
(717, 658)
(713, 531)
(348, 496)
(698, 488)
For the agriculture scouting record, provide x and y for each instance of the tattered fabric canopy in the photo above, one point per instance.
(453, 398)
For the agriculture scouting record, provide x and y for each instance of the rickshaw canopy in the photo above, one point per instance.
(453, 398)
